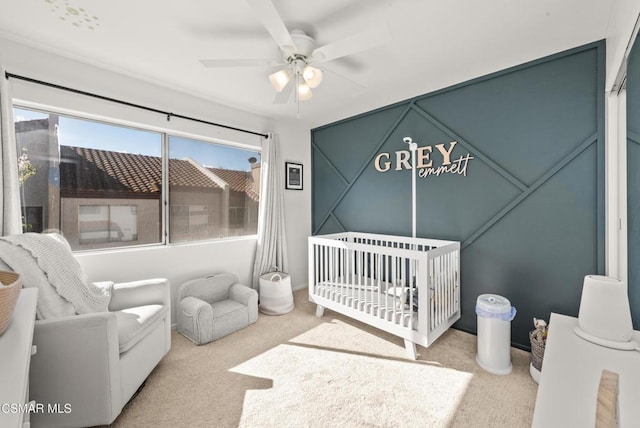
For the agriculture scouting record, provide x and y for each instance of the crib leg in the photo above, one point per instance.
(411, 349)
(319, 311)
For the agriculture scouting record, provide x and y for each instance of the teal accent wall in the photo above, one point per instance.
(633, 180)
(529, 212)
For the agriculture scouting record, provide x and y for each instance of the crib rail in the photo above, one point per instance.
(407, 286)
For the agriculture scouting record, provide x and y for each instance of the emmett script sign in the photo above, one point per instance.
(425, 161)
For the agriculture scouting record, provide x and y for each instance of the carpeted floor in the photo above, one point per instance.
(296, 370)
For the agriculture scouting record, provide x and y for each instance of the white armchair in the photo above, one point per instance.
(96, 362)
(215, 306)
(90, 365)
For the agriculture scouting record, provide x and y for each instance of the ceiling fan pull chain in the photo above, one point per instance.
(296, 73)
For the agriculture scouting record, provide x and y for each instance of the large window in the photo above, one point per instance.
(103, 185)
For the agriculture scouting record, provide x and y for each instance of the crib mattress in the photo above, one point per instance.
(387, 303)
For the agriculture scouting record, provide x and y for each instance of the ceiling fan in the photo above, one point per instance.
(299, 52)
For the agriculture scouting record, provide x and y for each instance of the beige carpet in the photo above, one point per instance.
(296, 370)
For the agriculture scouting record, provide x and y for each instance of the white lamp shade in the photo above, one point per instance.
(279, 79)
(304, 92)
(312, 76)
(604, 309)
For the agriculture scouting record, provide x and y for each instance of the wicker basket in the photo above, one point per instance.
(537, 350)
(9, 290)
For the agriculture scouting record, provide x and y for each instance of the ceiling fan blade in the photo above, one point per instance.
(283, 96)
(350, 11)
(357, 43)
(360, 86)
(215, 63)
(270, 18)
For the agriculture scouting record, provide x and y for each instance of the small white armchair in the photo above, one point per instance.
(215, 306)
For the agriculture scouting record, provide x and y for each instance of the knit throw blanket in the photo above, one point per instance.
(51, 254)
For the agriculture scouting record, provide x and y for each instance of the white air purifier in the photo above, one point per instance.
(605, 315)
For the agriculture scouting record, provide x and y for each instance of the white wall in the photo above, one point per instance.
(295, 143)
(178, 263)
(620, 36)
(46, 66)
(622, 20)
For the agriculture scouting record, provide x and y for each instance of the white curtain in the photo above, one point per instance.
(272, 239)
(10, 222)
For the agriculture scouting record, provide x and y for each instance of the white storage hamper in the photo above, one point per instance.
(276, 297)
(495, 314)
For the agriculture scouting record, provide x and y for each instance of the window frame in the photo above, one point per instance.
(166, 134)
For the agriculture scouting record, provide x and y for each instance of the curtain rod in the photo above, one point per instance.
(114, 100)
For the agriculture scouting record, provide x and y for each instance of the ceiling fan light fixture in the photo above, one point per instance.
(312, 75)
(279, 79)
(304, 91)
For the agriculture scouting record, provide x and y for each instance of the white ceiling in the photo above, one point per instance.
(435, 43)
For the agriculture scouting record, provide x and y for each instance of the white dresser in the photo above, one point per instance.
(15, 356)
(571, 372)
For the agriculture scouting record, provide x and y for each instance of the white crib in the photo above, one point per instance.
(409, 287)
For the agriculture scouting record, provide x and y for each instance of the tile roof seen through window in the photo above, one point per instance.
(239, 181)
(84, 170)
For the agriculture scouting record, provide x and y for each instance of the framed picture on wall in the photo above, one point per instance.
(293, 176)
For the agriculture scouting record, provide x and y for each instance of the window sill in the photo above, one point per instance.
(161, 247)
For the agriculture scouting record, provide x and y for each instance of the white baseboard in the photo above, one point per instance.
(298, 287)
